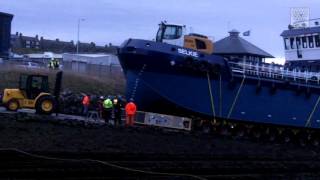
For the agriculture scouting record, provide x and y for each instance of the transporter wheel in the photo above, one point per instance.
(272, 134)
(45, 105)
(206, 127)
(257, 133)
(239, 131)
(315, 140)
(12, 105)
(225, 129)
(302, 138)
(287, 136)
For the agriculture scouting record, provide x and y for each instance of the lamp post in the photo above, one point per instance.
(79, 20)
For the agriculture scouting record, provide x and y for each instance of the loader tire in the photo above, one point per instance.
(45, 105)
(12, 105)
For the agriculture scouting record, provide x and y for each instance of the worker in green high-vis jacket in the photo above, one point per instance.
(107, 108)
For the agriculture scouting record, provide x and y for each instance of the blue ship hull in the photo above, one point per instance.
(161, 80)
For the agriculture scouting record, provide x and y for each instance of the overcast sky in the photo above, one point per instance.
(116, 20)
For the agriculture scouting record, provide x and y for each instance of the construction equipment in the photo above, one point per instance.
(33, 93)
(177, 35)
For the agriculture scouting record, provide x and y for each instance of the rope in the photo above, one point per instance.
(220, 96)
(211, 96)
(101, 162)
(308, 123)
(236, 98)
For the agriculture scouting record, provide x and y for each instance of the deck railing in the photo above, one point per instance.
(274, 72)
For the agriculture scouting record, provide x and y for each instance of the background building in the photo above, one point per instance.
(92, 64)
(235, 47)
(5, 31)
(22, 44)
(42, 59)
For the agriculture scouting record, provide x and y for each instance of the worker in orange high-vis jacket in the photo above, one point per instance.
(85, 104)
(131, 110)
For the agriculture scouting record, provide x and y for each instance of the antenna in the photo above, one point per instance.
(191, 29)
(300, 17)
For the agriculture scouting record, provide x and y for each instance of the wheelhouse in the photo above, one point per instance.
(302, 48)
(169, 32)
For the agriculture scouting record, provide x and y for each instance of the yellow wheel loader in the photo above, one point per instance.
(33, 93)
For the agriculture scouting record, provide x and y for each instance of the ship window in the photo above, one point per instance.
(317, 40)
(298, 41)
(304, 42)
(286, 43)
(159, 34)
(310, 39)
(200, 44)
(172, 32)
(292, 43)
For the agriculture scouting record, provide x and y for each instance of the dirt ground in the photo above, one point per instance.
(197, 153)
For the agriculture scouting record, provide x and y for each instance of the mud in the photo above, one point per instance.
(156, 149)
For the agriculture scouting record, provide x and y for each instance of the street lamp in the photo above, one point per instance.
(79, 20)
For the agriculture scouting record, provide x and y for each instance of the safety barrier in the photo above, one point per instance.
(161, 120)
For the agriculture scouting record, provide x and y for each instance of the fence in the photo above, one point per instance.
(81, 68)
(110, 80)
(93, 69)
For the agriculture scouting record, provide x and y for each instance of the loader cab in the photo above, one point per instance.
(176, 35)
(33, 85)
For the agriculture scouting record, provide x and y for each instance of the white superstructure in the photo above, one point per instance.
(302, 46)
